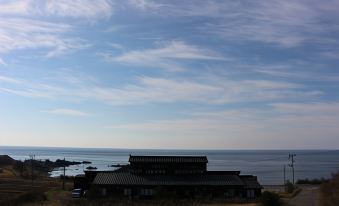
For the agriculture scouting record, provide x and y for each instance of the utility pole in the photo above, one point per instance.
(63, 179)
(285, 178)
(32, 156)
(291, 157)
(284, 174)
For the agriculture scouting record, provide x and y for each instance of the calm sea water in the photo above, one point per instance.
(266, 164)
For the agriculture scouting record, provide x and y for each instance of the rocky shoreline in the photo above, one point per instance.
(39, 166)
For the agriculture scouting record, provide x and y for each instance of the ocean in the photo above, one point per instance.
(267, 165)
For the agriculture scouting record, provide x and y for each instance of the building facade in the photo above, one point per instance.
(147, 177)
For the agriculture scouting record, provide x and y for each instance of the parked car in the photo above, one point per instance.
(77, 193)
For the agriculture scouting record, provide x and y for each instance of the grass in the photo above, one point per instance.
(24, 198)
(16, 190)
(7, 172)
(52, 194)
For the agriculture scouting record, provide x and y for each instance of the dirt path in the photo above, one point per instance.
(308, 196)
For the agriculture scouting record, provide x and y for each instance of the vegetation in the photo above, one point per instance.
(289, 187)
(312, 181)
(329, 192)
(40, 167)
(270, 199)
(123, 202)
(28, 197)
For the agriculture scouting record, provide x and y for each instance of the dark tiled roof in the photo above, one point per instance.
(233, 172)
(125, 178)
(250, 181)
(169, 159)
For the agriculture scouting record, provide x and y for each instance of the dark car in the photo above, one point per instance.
(77, 193)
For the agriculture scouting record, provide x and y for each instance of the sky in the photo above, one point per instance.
(174, 74)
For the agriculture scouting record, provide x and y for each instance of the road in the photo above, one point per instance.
(309, 196)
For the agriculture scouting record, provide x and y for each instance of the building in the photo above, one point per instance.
(177, 176)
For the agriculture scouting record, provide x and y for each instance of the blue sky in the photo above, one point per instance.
(170, 74)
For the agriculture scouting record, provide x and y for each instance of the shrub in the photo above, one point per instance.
(34, 196)
(329, 192)
(289, 187)
(270, 199)
(312, 181)
(29, 197)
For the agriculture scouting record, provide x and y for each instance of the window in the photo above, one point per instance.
(104, 192)
(146, 192)
(250, 193)
(127, 191)
(229, 193)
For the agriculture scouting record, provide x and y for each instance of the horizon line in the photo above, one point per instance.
(192, 149)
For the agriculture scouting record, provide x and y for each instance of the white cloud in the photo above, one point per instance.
(79, 8)
(279, 22)
(115, 28)
(145, 4)
(2, 62)
(150, 90)
(34, 91)
(21, 29)
(291, 73)
(116, 46)
(285, 23)
(17, 33)
(313, 109)
(166, 56)
(218, 90)
(308, 125)
(15, 7)
(268, 84)
(87, 9)
(68, 112)
(160, 90)
(205, 90)
(9, 80)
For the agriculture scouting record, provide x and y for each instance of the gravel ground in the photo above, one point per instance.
(309, 196)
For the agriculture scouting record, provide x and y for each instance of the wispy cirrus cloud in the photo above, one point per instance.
(206, 90)
(314, 108)
(35, 90)
(291, 72)
(15, 7)
(274, 127)
(2, 62)
(166, 55)
(286, 23)
(75, 9)
(146, 4)
(283, 23)
(149, 90)
(160, 90)
(68, 112)
(9, 80)
(19, 34)
(30, 24)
